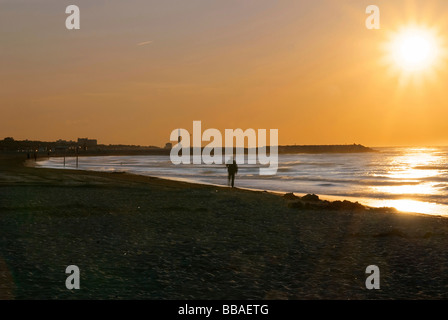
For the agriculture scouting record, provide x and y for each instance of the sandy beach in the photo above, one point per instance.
(136, 237)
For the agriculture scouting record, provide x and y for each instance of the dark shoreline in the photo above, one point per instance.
(29, 147)
(136, 237)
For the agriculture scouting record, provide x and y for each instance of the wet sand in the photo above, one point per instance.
(136, 237)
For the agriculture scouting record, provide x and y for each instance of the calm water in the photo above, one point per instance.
(409, 179)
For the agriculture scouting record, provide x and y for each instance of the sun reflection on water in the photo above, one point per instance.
(406, 205)
(426, 189)
(409, 171)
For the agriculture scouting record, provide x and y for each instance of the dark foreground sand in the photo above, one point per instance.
(143, 238)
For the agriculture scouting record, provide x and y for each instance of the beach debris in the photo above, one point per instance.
(312, 202)
(290, 196)
(310, 198)
(384, 210)
(345, 206)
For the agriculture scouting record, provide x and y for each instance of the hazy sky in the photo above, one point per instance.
(138, 69)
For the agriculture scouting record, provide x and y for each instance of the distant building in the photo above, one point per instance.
(60, 148)
(86, 143)
(169, 145)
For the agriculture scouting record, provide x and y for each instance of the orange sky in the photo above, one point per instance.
(138, 69)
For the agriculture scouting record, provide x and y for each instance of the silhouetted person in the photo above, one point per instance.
(232, 169)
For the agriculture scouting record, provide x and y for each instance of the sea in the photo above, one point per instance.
(410, 179)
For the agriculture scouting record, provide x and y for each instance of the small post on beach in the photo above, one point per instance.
(64, 158)
(76, 157)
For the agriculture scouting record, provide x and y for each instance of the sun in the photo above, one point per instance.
(414, 52)
(414, 49)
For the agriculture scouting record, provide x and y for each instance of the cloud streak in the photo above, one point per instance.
(144, 43)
